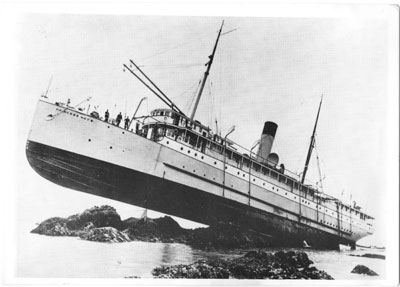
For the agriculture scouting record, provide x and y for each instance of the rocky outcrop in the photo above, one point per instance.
(105, 234)
(227, 236)
(163, 229)
(370, 255)
(253, 265)
(361, 269)
(55, 226)
(75, 225)
(90, 225)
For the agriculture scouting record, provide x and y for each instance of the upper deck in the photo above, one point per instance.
(168, 123)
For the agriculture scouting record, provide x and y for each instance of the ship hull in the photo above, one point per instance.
(102, 178)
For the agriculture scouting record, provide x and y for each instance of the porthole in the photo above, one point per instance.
(214, 178)
(295, 197)
(285, 193)
(194, 170)
(238, 172)
(167, 142)
(226, 167)
(263, 183)
(89, 140)
(202, 157)
(243, 175)
(273, 188)
(215, 162)
(188, 151)
(181, 148)
(108, 127)
(195, 154)
(254, 179)
(123, 133)
(204, 175)
(110, 147)
(91, 120)
(183, 166)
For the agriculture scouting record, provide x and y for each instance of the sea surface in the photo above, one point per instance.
(42, 256)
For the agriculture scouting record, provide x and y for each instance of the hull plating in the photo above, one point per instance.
(116, 182)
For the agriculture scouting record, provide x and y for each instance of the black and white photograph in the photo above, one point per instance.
(221, 145)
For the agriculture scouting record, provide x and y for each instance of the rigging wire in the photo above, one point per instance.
(184, 92)
(319, 167)
(173, 48)
(191, 99)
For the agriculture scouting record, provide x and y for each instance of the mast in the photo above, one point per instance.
(311, 145)
(206, 74)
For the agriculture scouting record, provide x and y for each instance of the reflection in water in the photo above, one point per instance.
(173, 252)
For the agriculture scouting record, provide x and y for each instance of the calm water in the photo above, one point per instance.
(69, 257)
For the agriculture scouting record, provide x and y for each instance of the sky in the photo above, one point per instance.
(268, 69)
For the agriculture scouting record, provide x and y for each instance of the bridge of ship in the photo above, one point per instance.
(168, 123)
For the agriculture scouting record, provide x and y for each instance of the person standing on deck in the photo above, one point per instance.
(106, 116)
(127, 120)
(119, 118)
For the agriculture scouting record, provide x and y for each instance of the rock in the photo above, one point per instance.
(105, 234)
(361, 269)
(55, 226)
(253, 265)
(102, 216)
(164, 229)
(226, 236)
(77, 224)
(369, 255)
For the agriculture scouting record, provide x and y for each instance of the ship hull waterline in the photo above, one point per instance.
(119, 183)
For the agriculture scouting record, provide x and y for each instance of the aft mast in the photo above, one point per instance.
(206, 74)
(312, 143)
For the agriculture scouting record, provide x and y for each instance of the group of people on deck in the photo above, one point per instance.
(118, 120)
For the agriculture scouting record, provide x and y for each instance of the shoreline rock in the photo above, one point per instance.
(253, 265)
(362, 269)
(370, 255)
(94, 224)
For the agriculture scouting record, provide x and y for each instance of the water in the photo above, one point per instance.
(69, 257)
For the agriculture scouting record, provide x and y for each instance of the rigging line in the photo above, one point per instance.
(191, 99)
(173, 65)
(154, 92)
(173, 48)
(319, 168)
(184, 92)
(228, 32)
(171, 103)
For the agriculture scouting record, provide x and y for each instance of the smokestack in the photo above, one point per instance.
(266, 141)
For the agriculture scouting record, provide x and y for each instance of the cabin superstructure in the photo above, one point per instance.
(165, 125)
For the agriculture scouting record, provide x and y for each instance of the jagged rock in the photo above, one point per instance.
(163, 229)
(77, 224)
(105, 234)
(369, 255)
(253, 265)
(226, 236)
(102, 216)
(362, 269)
(55, 226)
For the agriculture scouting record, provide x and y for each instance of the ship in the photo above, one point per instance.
(171, 163)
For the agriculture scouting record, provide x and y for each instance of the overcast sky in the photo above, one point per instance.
(268, 69)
